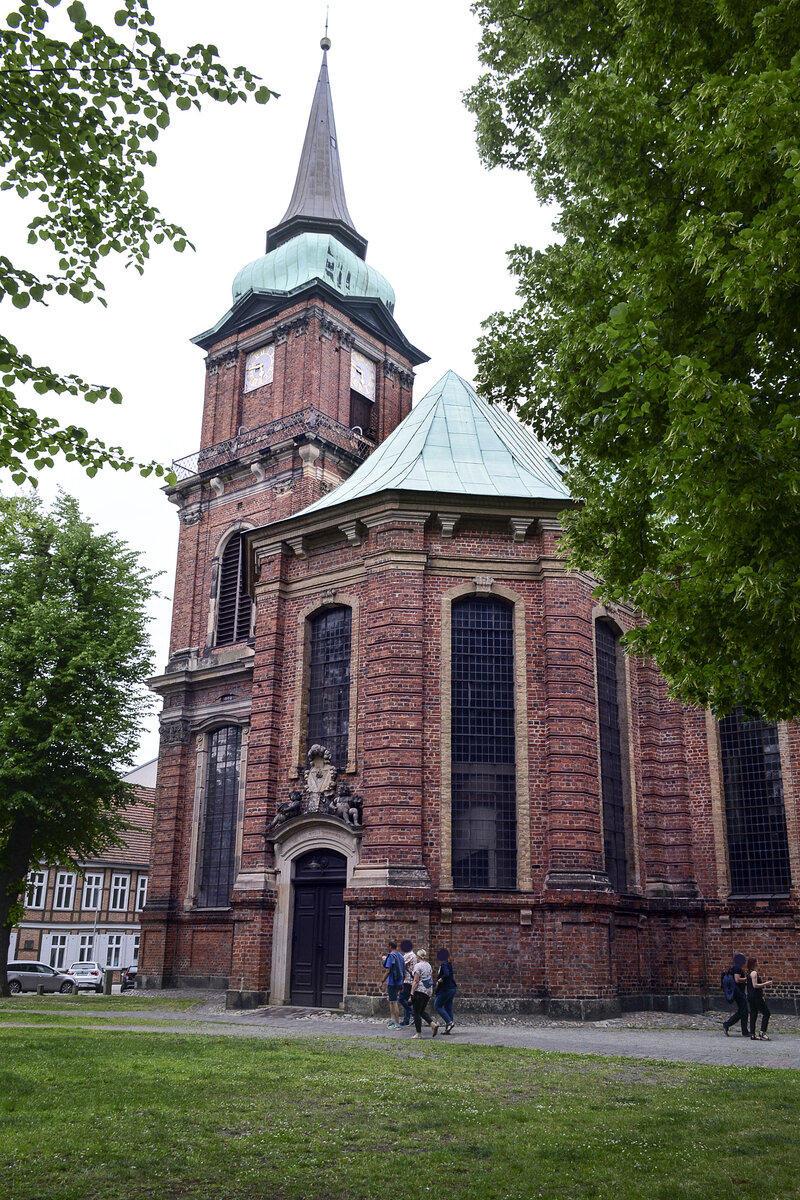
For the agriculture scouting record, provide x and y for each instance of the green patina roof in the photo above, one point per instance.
(313, 256)
(453, 441)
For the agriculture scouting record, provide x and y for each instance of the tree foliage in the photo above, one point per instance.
(78, 122)
(74, 657)
(656, 345)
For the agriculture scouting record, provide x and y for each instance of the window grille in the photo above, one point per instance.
(329, 683)
(114, 950)
(120, 886)
(86, 947)
(65, 890)
(141, 893)
(233, 603)
(758, 848)
(219, 832)
(37, 886)
(483, 774)
(611, 761)
(136, 941)
(58, 950)
(92, 891)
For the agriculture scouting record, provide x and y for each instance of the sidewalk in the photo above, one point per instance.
(660, 1036)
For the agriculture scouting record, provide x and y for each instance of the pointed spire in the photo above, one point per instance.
(318, 203)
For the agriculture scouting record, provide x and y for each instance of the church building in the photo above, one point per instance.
(391, 710)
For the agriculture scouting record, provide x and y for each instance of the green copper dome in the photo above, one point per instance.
(313, 256)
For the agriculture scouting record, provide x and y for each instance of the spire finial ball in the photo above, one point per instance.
(326, 43)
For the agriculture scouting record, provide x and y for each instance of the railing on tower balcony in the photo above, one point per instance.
(250, 441)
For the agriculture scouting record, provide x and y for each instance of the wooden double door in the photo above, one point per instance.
(318, 929)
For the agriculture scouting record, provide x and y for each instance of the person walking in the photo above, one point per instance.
(404, 999)
(421, 992)
(445, 990)
(395, 970)
(756, 1001)
(739, 996)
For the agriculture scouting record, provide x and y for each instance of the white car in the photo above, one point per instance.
(86, 975)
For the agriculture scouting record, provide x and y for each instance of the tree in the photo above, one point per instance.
(78, 120)
(656, 344)
(73, 661)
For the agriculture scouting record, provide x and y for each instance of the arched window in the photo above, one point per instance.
(233, 599)
(328, 722)
(217, 859)
(612, 778)
(483, 760)
(758, 848)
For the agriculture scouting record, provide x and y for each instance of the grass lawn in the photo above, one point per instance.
(179, 1116)
(28, 1003)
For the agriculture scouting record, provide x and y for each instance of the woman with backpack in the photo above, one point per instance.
(421, 992)
(445, 990)
(756, 1001)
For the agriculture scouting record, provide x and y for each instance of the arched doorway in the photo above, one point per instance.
(317, 973)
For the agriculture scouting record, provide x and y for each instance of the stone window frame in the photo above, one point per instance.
(629, 793)
(517, 602)
(203, 734)
(719, 823)
(213, 596)
(302, 674)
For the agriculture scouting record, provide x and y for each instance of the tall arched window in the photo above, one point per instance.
(328, 722)
(483, 759)
(612, 780)
(233, 599)
(758, 848)
(217, 860)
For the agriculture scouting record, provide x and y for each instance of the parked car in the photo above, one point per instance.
(127, 979)
(28, 976)
(87, 975)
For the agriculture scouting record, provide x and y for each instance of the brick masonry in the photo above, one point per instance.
(564, 938)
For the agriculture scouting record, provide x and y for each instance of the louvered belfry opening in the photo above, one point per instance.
(483, 754)
(219, 827)
(611, 759)
(329, 683)
(234, 604)
(758, 847)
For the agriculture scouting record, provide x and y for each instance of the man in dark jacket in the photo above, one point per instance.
(739, 996)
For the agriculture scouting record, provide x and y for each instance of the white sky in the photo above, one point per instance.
(438, 226)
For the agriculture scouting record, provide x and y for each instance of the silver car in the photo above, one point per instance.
(28, 976)
(86, 975)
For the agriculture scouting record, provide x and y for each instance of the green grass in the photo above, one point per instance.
(29, 1002)
(177, 1116)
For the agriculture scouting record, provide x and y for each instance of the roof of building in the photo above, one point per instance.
(309, 256)
(453, 441)
(135, 850)
(318, 199)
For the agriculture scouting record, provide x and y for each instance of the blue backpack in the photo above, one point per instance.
(397, 968)
(728, 984)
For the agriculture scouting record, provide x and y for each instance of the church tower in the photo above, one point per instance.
(306, 373)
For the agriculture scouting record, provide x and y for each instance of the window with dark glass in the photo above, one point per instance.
(329, 682)
(758, 848)
(483, 758)
(219, 829)
(233, 604)
(612, 787)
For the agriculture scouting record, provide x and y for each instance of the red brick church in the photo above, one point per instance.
(390, 709)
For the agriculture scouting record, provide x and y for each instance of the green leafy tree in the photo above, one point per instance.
(78, 122)
(74, 657)
(656, 344)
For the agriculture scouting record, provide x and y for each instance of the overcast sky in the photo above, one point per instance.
(438, 226)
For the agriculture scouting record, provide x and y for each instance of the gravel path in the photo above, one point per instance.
(667, 1037)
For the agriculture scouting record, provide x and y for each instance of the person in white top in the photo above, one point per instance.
(421, 992)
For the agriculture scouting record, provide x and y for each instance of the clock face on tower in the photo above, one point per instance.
(258, 367)
(362, 374)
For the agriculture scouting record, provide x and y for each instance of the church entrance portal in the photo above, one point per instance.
(318, 929)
